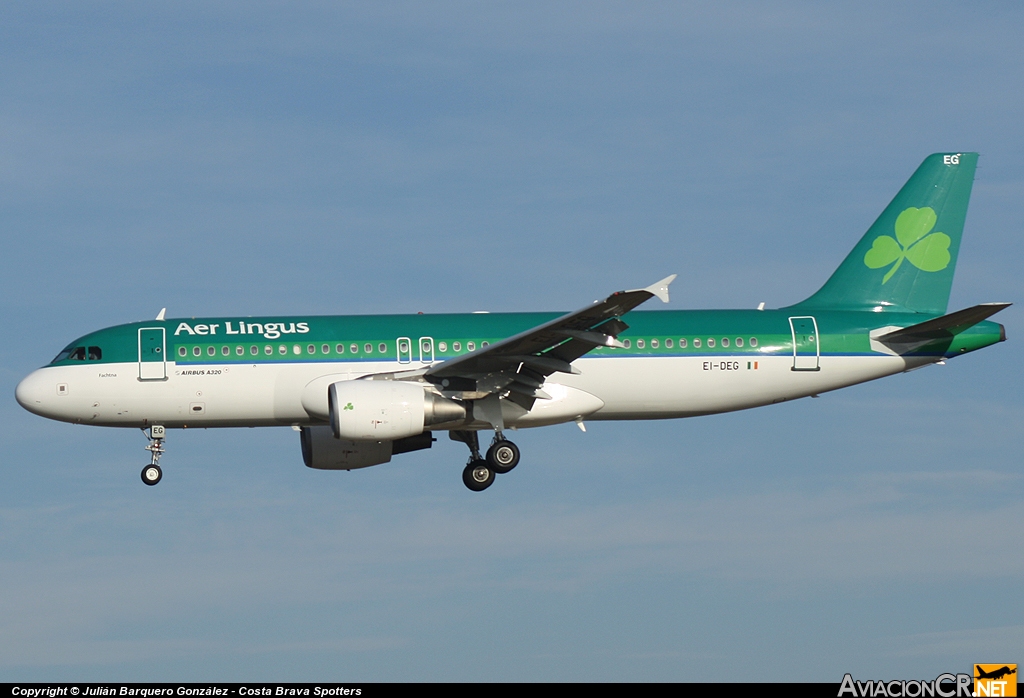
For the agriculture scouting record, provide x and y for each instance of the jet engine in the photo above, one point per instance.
(322, 451)
(381, 410)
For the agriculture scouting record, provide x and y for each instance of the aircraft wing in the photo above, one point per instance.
(521, 363)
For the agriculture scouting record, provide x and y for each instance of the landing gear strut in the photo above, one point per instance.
(479, 473)
(152, 473)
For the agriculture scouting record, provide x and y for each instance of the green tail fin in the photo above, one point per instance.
(905, 261)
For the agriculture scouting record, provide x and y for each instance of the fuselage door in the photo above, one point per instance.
(404, 350)
(427, 350)
(806, 351)
(152, 354)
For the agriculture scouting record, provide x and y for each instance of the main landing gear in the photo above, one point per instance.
(502, 456)
(152, 473)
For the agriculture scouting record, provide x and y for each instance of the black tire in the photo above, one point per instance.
(478, 475)
(502, 456)
(152, 474)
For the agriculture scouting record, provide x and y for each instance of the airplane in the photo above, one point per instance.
(995, 674)
(362, 389)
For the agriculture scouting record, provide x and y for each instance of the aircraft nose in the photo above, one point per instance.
(31, 393)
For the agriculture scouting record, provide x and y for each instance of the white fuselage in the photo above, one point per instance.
(281, 394)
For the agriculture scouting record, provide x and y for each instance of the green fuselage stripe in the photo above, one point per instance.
(841, 333)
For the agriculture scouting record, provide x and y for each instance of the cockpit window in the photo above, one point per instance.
(78, 354)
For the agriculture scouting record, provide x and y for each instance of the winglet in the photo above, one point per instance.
(660, 288)
(160, 315)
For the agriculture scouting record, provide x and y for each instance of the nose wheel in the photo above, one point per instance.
(152, 473)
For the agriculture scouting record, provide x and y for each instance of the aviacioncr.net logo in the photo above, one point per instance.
(914, 242)
(944, 686)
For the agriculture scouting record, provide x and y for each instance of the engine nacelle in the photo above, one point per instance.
(369, 410)
(322, 451)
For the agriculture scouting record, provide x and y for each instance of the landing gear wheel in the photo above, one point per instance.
(152, 474)
(502, 456)
(478, 475)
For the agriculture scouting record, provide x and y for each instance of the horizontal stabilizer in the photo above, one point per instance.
(910, 338)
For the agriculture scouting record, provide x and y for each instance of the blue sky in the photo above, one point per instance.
(251, 158)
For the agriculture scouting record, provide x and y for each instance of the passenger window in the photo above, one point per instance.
(95, 353)
(627, 343)
(225, 351)
(354, 348)
(268, 350)
(340, 348)
(668, 343)
(682, 343)
(753, 341)
(182, 351)
(282, 349)
(725, 341)
(457, 346)
(196, 351)
(639, 344)
(711, 342)
(654, 344)
(382, 348)
(254, 350)
(484, 344)
(739, 341)
(211, 351)
(696, 344)
(470, 346)
(442, 346)
(324, 349)
(239, 350)
(368, 348)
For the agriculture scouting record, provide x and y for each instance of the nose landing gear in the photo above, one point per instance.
(152, 473)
